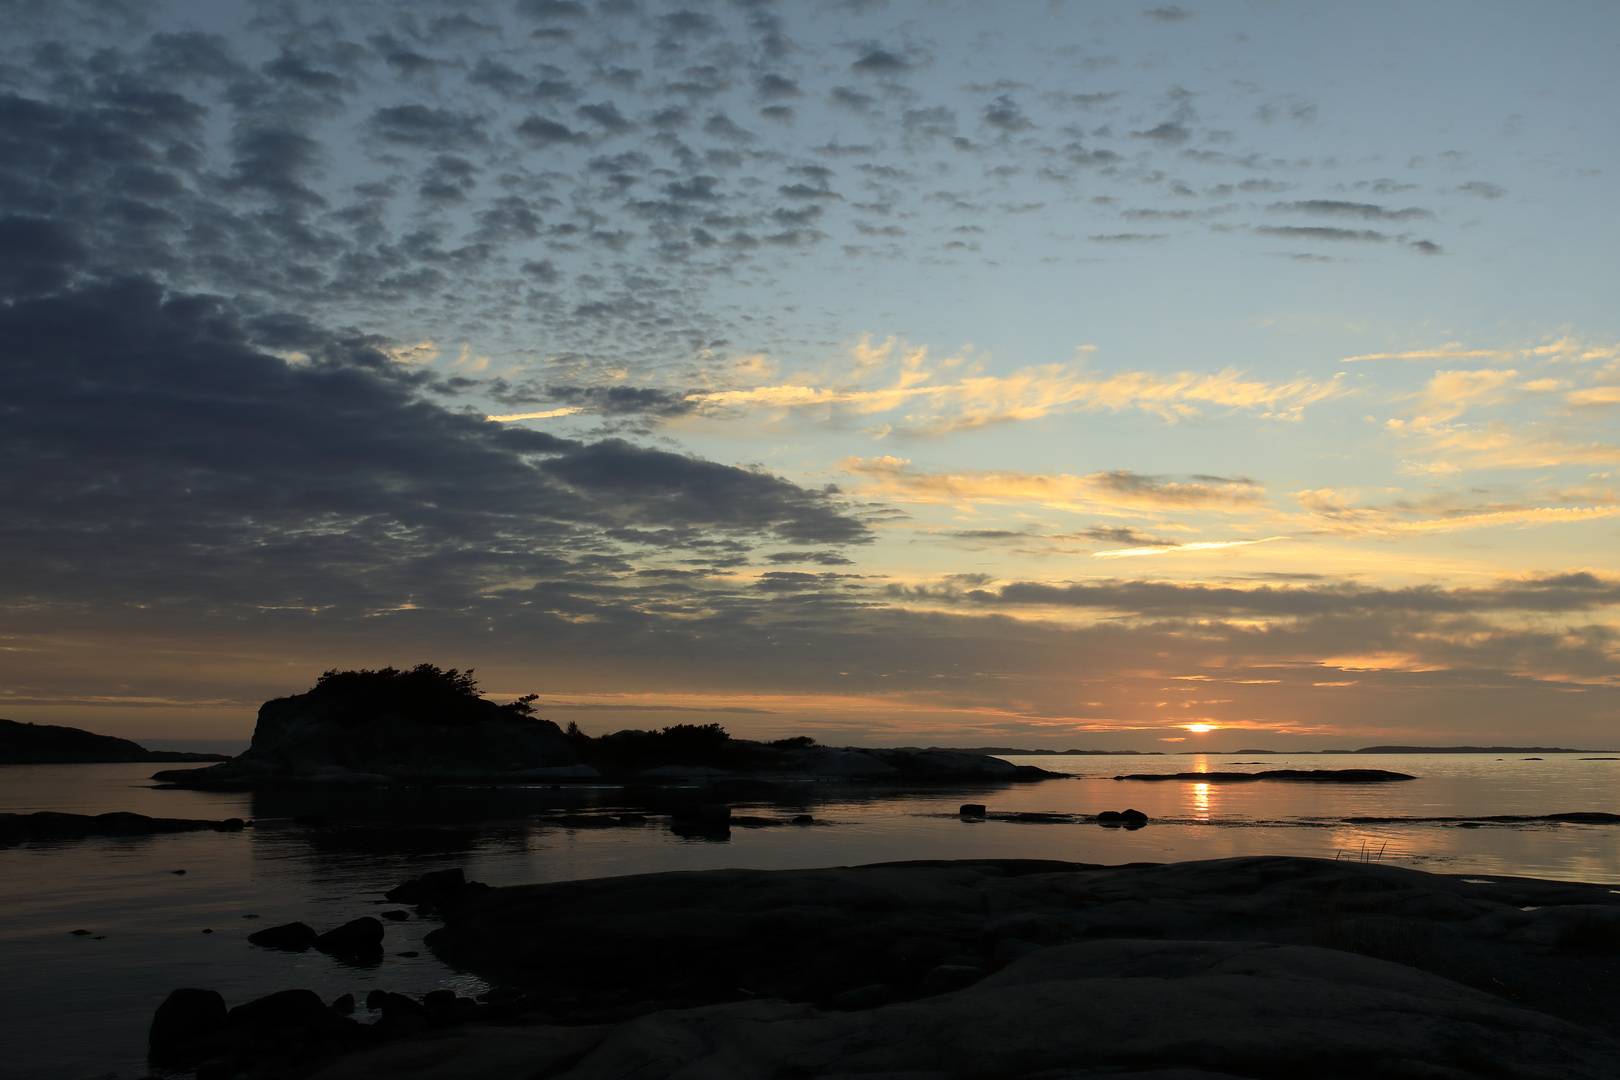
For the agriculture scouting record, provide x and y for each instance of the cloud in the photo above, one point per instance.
(1553, 593)
(1120, 534)
(1103, 492)
(1434, 354)
(1337, 208)
(1194, 545)
(178, 463)
(1320, 232)
(951, 394)
(880, 61)
(1168, 14)
(1337, 511)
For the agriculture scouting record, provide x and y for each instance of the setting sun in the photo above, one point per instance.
(1199, 727)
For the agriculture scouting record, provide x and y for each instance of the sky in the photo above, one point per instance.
(898, 372)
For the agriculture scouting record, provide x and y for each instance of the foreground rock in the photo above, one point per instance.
(48, 744)
(1165, 1010)
(685, 939)
(52, 825)
(1253, 968)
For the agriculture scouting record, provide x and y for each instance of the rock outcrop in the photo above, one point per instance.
(368, 728)
(378, 726)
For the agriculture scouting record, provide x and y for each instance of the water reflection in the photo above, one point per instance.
(1200, 801)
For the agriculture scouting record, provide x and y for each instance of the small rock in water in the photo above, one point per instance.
(1114, 819)
(176, 871)
(207, 931)
(803, 819)
(398, 915)
(412, 955)
(344, 1005)
(357, 938)
(290, 937)
(250, 916)
(971, 810)
(79, 933)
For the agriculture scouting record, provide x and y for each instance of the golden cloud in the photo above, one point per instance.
(954, 394)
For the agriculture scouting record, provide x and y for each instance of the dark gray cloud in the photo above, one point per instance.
(881, 61)
(1339, 208)
(1320, 232)
(1168, 14)
(1171, 131)
(179, 462)
(1124, 536)
(1556, 593)
(1005, 114)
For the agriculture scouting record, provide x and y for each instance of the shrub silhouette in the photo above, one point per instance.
(424, 694)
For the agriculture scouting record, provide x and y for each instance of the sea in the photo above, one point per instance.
(76, 1006)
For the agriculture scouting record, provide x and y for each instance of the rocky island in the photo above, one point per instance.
(427, 724)
(1253, 968)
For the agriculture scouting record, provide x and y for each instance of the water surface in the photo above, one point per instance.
(77, 1007)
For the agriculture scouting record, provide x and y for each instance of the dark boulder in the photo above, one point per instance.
(289, 937)
(1128, 819)
(185, 1017)
(439, 890)
(283, 1009)
(947, 977)
(356, 939)
(971, 810)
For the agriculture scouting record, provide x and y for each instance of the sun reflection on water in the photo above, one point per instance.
(1200, 801)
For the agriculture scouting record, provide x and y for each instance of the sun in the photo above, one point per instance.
(1199, 727)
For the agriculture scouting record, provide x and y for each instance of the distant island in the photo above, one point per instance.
(46, 744)
(1415, 750)
(998, 750)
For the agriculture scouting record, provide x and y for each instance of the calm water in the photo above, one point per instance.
(77, 1007)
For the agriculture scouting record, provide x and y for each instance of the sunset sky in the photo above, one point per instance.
(1041, 374)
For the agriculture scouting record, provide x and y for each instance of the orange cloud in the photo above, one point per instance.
(954, 394)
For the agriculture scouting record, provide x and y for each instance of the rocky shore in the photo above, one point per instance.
(1253, 968)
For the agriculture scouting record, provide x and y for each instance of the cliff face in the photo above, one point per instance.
(47, 744)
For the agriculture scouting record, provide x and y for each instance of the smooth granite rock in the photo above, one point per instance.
(1114, 1008)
